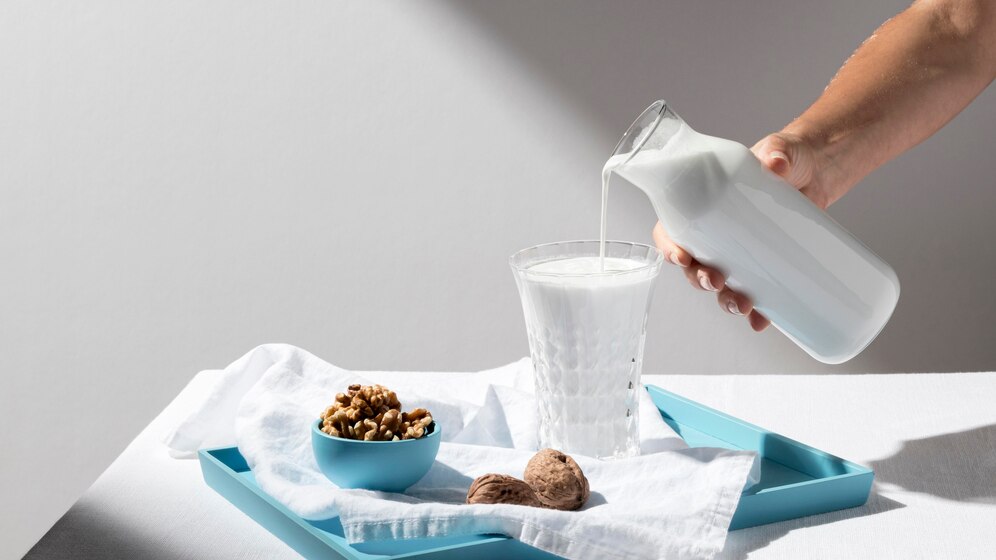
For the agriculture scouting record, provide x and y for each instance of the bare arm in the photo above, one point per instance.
(906, 81)
(912, 76)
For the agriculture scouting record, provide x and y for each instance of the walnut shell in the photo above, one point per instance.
(501, 489)
(557, 480)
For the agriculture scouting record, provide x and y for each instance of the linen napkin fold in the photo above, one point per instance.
(670, 502)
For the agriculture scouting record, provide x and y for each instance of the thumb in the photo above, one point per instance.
(780, 155)
(773, 151)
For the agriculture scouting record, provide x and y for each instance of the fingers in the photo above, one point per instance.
(699, 276)
(734, 303)
(739, 304)
(672, 252)
(704, 278)
(757, 321)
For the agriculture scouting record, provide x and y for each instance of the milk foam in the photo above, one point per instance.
(586, 265)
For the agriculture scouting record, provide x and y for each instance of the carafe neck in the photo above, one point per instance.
(652, 130)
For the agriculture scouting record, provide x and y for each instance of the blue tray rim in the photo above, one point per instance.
(857, 468)
(856, 476)
(209, 455)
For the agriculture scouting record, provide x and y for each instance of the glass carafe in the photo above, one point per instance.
(817, 283)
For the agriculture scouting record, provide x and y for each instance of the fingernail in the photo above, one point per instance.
(673, 257)
(732, 307)
(779, 155)
(706, 283)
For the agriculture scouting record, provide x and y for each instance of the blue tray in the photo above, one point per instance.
(796, 480)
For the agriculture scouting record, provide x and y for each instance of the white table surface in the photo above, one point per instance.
(931, 439)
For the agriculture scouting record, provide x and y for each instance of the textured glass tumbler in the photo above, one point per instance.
(586, 335)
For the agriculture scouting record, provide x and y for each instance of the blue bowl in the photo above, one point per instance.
(388, 466)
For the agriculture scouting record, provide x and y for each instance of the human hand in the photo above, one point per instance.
(800, 166)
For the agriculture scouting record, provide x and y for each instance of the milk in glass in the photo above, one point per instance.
(586, 319)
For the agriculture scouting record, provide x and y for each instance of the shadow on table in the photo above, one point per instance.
(83, 533)
(957, 466)
(742, 542)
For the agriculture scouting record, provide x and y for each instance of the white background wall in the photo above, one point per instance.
(180, 181)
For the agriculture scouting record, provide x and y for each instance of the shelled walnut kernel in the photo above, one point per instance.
(373, 413)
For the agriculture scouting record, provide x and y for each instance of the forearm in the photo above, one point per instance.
(911, 77)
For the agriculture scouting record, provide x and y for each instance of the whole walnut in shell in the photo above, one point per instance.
(557, 480)
(552, 480)
(501, 489)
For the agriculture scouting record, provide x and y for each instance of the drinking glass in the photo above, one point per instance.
(586, 337)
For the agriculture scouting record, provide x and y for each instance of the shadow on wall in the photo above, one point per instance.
(741, 71)
(957, 466)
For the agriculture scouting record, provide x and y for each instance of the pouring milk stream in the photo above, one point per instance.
(817, 283)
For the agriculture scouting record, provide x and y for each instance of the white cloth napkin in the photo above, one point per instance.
(670, 502)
